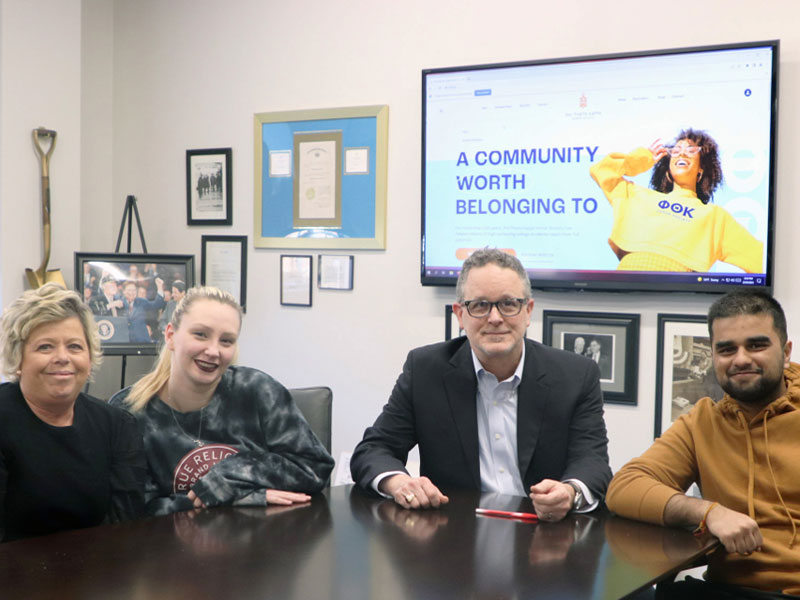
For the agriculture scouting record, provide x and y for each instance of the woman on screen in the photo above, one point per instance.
(673, 226)
(217, 434)
(67, 460)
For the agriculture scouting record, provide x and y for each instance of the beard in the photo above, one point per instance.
(765, 389)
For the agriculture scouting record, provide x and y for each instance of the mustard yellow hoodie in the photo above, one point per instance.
(676, 225)
(749, 466)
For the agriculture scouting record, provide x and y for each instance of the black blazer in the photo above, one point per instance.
(560, 429)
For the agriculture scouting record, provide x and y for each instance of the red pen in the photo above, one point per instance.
(505, 514)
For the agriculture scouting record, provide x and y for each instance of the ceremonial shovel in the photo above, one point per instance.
(41, 276)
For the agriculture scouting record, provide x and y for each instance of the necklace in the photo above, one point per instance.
(196, 440)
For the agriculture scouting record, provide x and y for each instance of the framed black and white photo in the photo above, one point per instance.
(132, 296)
(208, 187)
(223, 264)
(296, 280)
(610, 339)
(335, 271)
(685, 372)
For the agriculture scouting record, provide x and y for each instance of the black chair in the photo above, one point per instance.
(316, 404)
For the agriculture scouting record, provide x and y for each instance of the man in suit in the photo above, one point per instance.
(603, 360)
(492, 411)
(136, 308)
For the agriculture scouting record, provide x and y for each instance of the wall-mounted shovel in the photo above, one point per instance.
(41, 275)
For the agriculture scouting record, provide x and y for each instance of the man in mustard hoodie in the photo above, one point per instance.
(743, 452)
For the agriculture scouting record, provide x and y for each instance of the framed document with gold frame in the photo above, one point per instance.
(320, 178)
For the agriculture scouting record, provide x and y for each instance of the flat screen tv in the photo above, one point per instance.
(643, 171)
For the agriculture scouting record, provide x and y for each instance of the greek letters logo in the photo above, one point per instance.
(197, 463)
(677, 208)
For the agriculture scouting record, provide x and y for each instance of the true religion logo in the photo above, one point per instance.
(197, 463)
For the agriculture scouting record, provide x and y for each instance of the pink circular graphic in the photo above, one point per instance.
(197, 463)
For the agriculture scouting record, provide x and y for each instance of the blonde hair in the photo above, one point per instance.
(48, 304)
(148, 386)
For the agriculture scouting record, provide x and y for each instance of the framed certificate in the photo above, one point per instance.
(295, 280)
(224, 264)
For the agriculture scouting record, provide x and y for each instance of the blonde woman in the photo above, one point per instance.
(217, 434)
(67, 460)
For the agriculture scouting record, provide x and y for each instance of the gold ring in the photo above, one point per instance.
(409, 498)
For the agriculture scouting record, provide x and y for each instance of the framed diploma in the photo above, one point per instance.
(320, 178)
(295, 280)
(224, 265)
(335, 272)
(208, 187)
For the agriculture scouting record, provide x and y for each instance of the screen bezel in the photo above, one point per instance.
(565, 280)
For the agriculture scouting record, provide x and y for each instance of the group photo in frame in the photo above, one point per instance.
(132, 296)
(320, 178)
(610, 339)
(685, 371)
(209, 187)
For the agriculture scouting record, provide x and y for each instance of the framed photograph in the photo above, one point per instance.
(132, 296)
(609, 339)
(295, 280)
(223, 264)
(685, 372)
(335, 272)
(208, 187)
(320, 178)
(452, 328)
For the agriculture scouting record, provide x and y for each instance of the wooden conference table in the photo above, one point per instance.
(348, 545)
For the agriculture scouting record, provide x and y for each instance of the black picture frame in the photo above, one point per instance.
(209, 187)
(121, 333)
(684, 367)
(451, 323)
(619, 373)
(335, 271)
(296, 275)
(223, 264)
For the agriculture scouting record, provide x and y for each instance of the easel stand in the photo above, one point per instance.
(131, 211)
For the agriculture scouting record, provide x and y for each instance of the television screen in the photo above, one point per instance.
(646, 171)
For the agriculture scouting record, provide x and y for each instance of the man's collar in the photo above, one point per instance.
(517, 372)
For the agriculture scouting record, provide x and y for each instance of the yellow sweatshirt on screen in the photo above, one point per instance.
(675, 225)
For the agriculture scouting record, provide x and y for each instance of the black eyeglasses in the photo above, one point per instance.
(508, 307)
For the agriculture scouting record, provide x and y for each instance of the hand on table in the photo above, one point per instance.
(195, 500)
(413, 492)
(552, 500)
(284, 498)
(736, 531)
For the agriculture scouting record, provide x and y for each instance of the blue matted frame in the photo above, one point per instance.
(362, 133)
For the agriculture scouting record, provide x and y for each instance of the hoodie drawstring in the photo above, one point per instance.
(775, 483)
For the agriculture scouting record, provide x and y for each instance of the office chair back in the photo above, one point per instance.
(316, 404)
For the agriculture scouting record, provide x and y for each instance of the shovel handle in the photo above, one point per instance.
(44, 159)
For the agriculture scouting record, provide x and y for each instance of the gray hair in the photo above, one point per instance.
(492, 256)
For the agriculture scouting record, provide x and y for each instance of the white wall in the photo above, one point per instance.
(191, 74)
(40, 50)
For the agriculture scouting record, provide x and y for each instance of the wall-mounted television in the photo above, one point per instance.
(640, 171)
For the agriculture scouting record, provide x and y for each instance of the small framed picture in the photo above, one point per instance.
(132, 296)
(335, 272)
(609, 339)
(296, 280)
(685, 371)
(223, 264)
(208, 187)
(452, 328)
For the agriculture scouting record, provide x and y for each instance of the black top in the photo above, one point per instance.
(56, 478)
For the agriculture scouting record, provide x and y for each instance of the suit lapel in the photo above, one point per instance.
(532, 398)
(461, 387)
